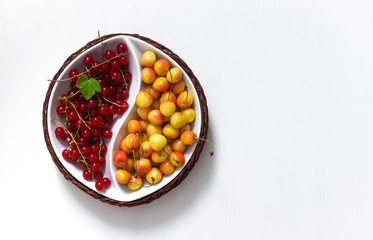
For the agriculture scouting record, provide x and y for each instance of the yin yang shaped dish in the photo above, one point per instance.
(119, 194)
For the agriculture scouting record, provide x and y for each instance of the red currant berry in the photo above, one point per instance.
(73, 73)
(95, 149)
(65, 154)
(105, 91)
(85, 133)
(96, 121)
(87, 175)
(123, 62)
(95, 67)
(63, 101)
(103, 148)
(88, 60)
(125, 94)
(82, 107)
(74, 153)
(107, 182)
(115, 64)
(99, 185)
(89, 123)
(107, 133)
(121, 48)
(98, 176)
(96, 132)
(92, 157)
(59, 132)
(92, 103)
(61, 110)
(120, 111)
(95, 166)
(115, 75)
(127, 76)
(112, 109)
(101, 159)
(70, 125)
(109, 54)
(81, 141)
(102, 110)
(85, 150)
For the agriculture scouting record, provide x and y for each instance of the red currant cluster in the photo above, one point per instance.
(87, 121)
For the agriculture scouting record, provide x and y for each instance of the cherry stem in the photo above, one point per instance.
(142, 150)
(134, 159)
(171, 156)
(186, 98)
(212, 146)
(169, 94)
(80, 74)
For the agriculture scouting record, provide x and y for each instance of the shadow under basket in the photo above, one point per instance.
(177, 179)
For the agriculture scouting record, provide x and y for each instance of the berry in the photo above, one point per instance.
(88, 60)
(59, 132)
(72, 115)
(107, 182)
(100, 185)
(85, 133)
(109, 54)
(87, 175)
(95, 166)
(121, 48)
(99, 175)
(107, 133)
(61, 110)
(96, 121)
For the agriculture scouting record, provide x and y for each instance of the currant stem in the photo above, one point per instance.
(124, 79)
(72, 138)
(80, 74)
(103, 44)
(70, 96)
(116, 104)
(212, 146)
(79, 115)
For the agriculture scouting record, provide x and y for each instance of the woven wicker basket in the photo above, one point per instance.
(182, 174)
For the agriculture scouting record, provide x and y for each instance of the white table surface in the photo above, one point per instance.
(290, 92)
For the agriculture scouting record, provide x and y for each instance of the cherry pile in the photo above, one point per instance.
(85, 123)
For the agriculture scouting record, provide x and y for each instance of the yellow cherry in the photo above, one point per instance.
(148, 59)
(157, 142)
(167, 108)
(144, 99)
(160, 67)
(154, 176)
(178, 120)
(174, 75)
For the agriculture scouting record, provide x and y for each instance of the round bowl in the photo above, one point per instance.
(119, 194)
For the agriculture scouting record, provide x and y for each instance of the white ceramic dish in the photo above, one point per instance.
(117, 192)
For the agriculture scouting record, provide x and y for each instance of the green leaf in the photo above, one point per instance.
(88, 86)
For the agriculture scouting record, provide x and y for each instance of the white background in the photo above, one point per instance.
(290, 92)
